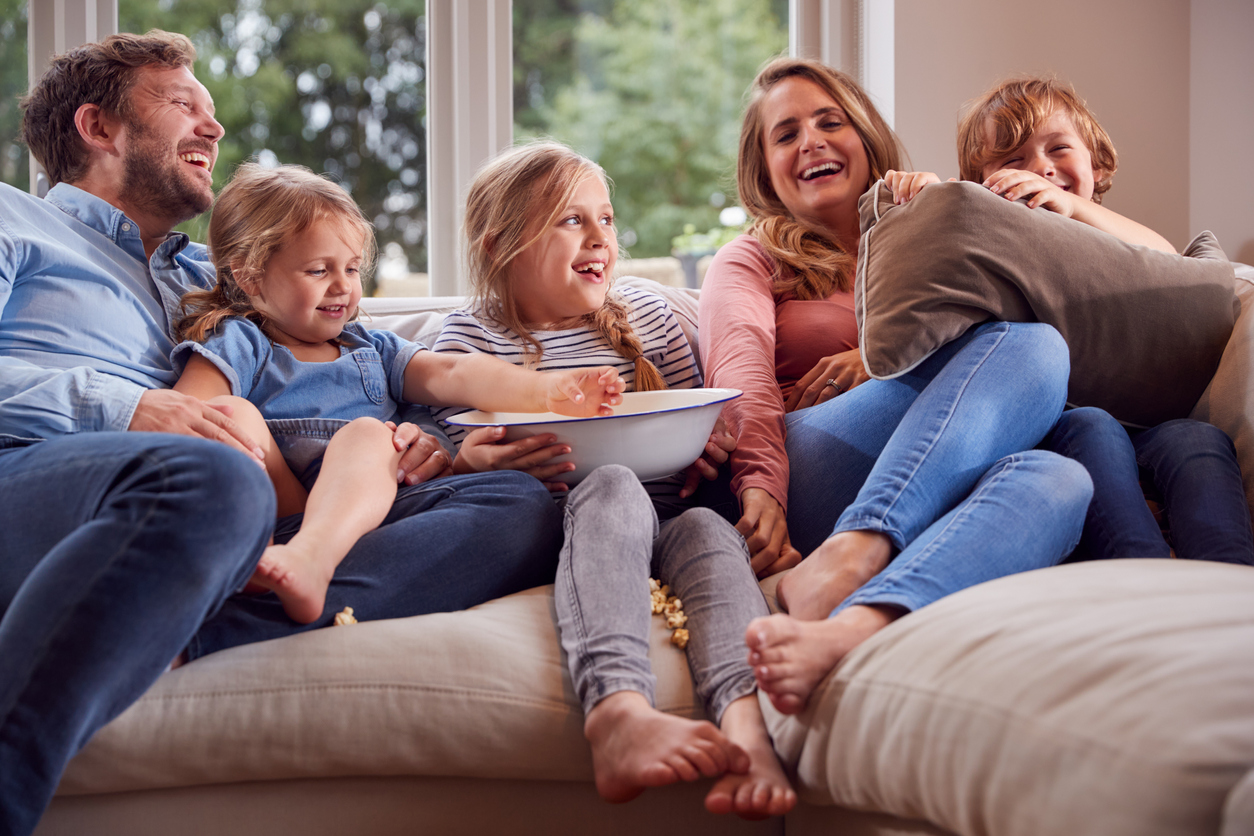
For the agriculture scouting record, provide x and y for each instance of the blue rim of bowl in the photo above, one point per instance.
(732, 395)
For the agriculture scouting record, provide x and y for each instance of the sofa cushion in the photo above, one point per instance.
(1146, 329)
(1228, 401)
(481, 693)
(1111, 697)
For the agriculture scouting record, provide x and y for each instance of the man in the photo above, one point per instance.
(130, 513)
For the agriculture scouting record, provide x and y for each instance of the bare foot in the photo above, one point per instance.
(762, 791)
(832, 572)
(635, 746)
(297, 578)
(791, 657)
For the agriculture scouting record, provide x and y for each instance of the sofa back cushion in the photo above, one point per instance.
(1146, 329)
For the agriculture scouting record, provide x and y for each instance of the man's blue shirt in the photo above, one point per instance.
(84, 317)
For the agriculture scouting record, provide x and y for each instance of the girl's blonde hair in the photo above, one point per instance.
(817, 263)
(259, 211)
(514, 200)
(1015, 109)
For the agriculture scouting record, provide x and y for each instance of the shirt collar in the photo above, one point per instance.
(104, 217)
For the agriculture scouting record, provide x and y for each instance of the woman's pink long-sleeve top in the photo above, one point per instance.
(753, 342)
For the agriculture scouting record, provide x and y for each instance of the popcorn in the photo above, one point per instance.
(662, 603)
(345, 617)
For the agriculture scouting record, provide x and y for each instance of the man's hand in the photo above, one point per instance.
(423, 457)
(718, 450)
(484, 449)
(765, 530)
(167, 411)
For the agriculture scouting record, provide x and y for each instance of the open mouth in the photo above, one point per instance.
(334, 311)
(197, 159)
(821, 170)
(593, 269)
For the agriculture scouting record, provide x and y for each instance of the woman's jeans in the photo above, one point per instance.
(613, 542)
(1193, 466)
(114, 547)
(934, 459)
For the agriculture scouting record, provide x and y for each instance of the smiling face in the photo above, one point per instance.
(311, 285)
(169, 144)
(565, 273)
(815, 158)
(1054, 151)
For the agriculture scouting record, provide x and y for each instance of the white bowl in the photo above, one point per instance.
(653, 433)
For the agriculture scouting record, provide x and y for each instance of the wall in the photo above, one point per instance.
(1221, 117)
(1130, 59)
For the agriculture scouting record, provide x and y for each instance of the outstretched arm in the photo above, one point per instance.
(487, 383)
(1013, 184)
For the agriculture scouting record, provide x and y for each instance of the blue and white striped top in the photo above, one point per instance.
(661, 338)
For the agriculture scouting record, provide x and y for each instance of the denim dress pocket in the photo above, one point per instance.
(373, 380)
(303, 442)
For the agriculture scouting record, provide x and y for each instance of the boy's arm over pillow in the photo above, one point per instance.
(1146, 329)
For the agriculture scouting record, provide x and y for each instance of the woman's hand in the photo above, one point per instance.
(484, 449)
(423, 457)
(717, 451)
(830, 377)
(906, 184)
(583, 392)
(765, 530)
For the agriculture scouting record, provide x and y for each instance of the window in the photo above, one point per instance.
(337, 87)
(14, 165)
(653, 91)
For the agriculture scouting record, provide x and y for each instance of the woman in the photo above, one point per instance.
(935, 467)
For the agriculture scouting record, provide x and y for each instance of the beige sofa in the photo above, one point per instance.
(1103, 698)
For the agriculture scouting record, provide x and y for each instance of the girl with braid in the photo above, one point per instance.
(541, 248)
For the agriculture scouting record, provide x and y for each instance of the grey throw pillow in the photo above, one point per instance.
(1146, 329)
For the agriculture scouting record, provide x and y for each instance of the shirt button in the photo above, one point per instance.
(126, 227)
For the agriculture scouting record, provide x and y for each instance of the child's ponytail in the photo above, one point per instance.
(612, 323)
(202, 311)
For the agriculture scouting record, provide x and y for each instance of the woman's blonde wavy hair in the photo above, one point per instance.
(514, 200)
(259, 211)
(1015, 109)
(812, 263)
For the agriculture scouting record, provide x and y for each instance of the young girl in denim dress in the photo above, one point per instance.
(275, 340)
(541, 249)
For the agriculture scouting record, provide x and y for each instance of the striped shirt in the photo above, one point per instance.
(662, 340)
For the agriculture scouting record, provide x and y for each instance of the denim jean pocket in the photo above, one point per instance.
(373, 380)
(303, 442)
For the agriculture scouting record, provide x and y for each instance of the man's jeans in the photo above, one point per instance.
(446, 545)
(114, 547)
(934, 460)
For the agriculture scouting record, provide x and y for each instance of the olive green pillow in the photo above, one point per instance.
(1146, 329)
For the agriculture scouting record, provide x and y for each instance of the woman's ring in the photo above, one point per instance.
(831, 381)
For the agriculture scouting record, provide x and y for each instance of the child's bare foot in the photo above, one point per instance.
(762, 791)
(297, 578)
(832, 572)
(791, 657)
(635, 746)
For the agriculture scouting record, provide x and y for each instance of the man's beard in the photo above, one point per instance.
(155, 182)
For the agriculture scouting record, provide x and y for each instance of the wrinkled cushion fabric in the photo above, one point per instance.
(1112, 697)
(1146, 329)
